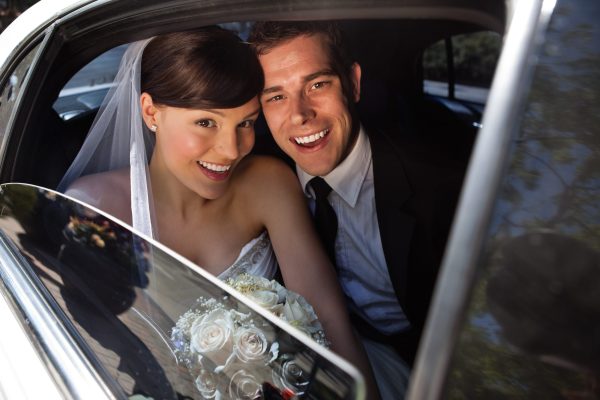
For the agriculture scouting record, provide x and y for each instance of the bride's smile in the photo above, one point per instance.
(199, 147)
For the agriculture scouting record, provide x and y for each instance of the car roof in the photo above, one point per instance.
(45, 12)
(34, 19)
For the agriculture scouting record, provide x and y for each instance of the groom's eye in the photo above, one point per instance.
(319, 85)
(275, 98)
(206, 123)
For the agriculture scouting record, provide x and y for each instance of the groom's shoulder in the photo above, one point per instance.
(425, 163)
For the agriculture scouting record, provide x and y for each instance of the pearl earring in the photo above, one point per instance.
(153, 128)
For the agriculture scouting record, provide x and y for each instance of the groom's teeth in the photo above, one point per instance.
(214, 167)
(311, 138)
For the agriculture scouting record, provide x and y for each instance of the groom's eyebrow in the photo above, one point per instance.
(307, 78)
(323, 72)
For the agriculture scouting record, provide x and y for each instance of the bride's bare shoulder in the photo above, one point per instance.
(108, 191)
(266, 171)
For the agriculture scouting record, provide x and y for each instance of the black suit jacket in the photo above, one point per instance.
(416, 190)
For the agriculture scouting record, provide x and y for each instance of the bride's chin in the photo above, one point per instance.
(212, 193)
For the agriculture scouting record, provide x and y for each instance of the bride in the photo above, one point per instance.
(189, 100)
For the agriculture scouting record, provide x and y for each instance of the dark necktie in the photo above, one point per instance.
(325, 218)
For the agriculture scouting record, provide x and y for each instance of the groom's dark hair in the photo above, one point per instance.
(209, 67)
(266, 35)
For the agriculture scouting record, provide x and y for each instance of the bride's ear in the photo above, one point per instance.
(148, 110)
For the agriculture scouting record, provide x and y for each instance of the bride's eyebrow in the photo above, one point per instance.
(252, 114)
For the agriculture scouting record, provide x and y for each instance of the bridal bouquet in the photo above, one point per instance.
(231, 352)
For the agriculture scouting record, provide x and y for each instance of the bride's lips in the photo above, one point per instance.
(311, 141)
(216, 172)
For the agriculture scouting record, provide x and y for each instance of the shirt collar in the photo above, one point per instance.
(347, 178)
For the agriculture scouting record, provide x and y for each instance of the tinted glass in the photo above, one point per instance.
(9, 93)
(143, 317)
(87, 88)
(435, 69)
(533, 327)
(474, 58)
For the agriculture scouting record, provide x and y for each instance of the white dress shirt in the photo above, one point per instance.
(361, 265)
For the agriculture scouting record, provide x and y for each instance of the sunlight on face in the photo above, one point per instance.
(304, 104)
(201, 148)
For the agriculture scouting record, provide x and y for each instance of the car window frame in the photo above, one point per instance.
(456, 278)
(315, 16)
(70, 357)
(75, 375)
(30, 55)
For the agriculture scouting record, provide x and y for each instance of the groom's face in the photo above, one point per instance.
(304, 104)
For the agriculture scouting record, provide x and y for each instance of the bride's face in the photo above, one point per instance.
(201, 148)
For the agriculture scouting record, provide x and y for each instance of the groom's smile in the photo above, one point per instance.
(305, 106)
(311, 140)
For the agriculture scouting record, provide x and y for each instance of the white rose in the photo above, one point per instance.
(251, 345)
(206, 383)
(245, 385)
(265, 299)
(211, 336)
(295, 314)
(289, 375)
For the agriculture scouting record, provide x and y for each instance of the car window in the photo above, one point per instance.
(158, 326)
(532, 325)
(461, 66)
(9, 92)
(87, 88)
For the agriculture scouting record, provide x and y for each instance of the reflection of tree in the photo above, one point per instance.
(474, 57)
(552, 186)
(487, 367)
(554, 173)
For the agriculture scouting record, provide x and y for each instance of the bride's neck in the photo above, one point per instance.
(170, 194)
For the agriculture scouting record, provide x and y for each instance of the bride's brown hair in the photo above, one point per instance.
(203, 68)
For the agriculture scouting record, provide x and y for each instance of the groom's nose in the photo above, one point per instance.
(301, 109)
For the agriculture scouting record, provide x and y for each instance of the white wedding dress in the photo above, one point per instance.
(391, 373)
(255, 258)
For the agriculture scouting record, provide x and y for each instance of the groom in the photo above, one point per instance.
(392, 207)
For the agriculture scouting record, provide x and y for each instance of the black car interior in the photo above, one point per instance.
(390, 53)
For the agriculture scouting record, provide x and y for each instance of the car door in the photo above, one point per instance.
(116, 315)
(516, 308)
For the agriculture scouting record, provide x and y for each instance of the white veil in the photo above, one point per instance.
(119, 138)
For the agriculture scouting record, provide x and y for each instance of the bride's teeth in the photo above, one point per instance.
(311, 138)
(214, 167)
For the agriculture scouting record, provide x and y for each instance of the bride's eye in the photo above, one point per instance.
(249, 123)
(206, 123)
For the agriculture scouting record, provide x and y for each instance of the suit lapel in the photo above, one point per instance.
(392, 191)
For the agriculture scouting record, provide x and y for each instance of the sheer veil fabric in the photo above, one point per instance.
(118, 138)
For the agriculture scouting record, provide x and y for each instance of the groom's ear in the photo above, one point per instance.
(148, 109)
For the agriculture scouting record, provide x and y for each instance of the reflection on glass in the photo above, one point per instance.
(533, 329)
(11, 89)
(157, 327)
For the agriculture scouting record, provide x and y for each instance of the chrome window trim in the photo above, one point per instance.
(488, 161)
(73, 373)
(17, 354)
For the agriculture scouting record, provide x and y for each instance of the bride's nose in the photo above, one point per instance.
(228, 144)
